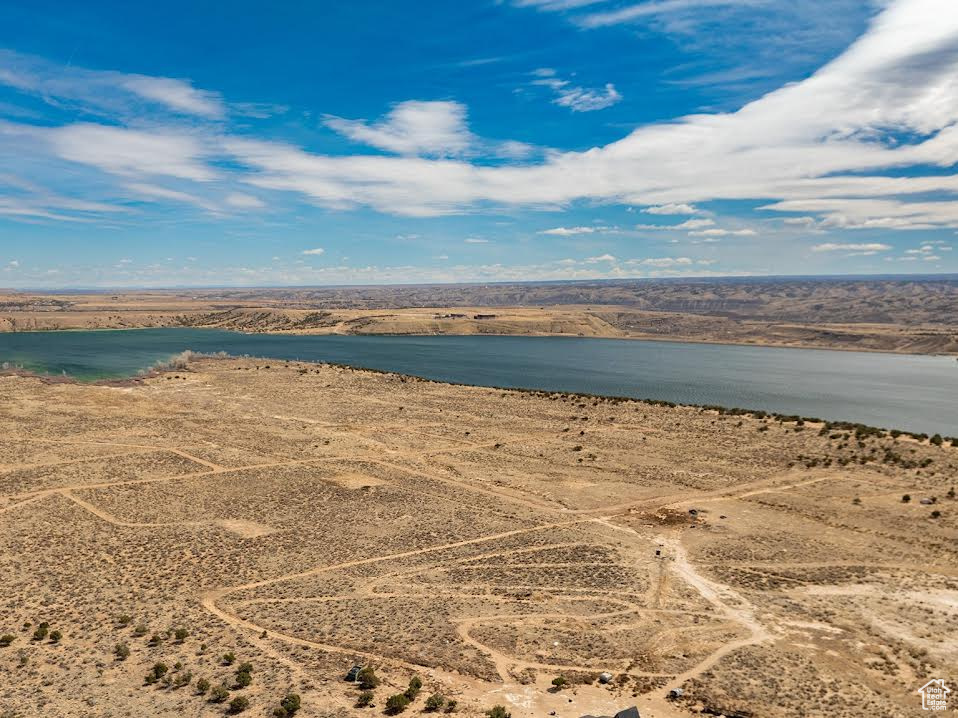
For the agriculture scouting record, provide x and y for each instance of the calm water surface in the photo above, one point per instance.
(917, 393)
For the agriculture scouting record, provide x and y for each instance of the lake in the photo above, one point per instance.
(915, 393)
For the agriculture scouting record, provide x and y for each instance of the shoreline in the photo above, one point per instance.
(643, 337)
(160, 371)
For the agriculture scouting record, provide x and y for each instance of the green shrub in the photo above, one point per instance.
(140, 630)
(239, 704)
(498, 712)
(41, 632)
(368, 680)
(435, 702)
(415, 685)
(219, 693)
(397, 704)
(906, 498)
(451, 706)
(280, 712)
(6, 639)
(365, 698)
(180, 634)
(229, 658)
(291, 703)
(243, 679)
(559, 682)
(159, 670)
(124, 620)
(121, 651)
(202, 685)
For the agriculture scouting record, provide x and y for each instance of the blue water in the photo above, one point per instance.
(915, 393)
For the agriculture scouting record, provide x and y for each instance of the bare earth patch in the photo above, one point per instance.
(245, 529)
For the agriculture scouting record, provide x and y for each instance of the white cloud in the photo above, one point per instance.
(123, 151)
(652, 8)
(577, 99)
(671, 208)
(601, 258)
(513, 150)
(723, 233)
(663, 261)
(105, 91)
(850, 246)
(930, 248)
(793, 144)
(316, 252)
(687, 224)
(155, 192)
(244, 201)
(568, 231)
(413, 128)
(819, 148)
(807, 222)
(475, 240)
(572, 231)
(177, 95)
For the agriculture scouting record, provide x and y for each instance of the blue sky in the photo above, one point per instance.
(381, 142)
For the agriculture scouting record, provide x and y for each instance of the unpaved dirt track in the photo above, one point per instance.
(307, 517)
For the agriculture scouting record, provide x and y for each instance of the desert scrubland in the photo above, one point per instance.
(914, 315)
(255, 528)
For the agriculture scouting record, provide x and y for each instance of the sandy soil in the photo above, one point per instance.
(305, 518)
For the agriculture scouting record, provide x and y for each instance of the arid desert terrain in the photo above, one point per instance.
(238, 531)
(916, 315)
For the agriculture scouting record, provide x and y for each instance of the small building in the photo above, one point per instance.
(483, 316)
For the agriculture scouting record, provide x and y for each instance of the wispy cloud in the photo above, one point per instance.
(576, 98)
(851, 247)
(687, 224)
(821, 148)
(719, 232)
(105, 91)
(314, 252)
(742, 43)
(658, 8)
(662, 261)
(671, 208)
(413, 128)
(572, 231)
(128, 152)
